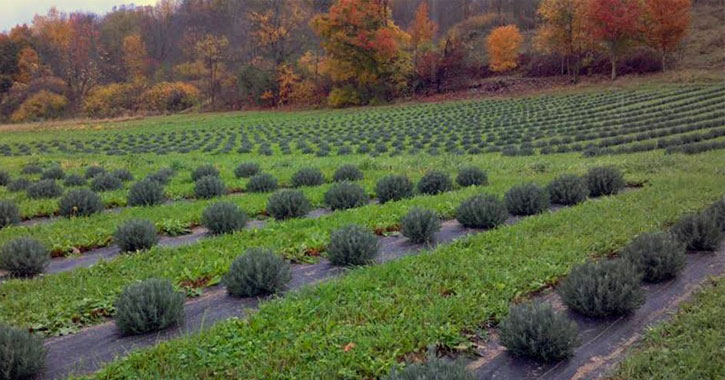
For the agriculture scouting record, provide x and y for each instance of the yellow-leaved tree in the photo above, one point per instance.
(503, 45)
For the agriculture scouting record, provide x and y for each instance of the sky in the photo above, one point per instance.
(14, 12)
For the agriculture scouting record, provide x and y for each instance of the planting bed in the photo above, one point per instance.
(277, 173)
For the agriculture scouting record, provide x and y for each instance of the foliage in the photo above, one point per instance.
(135, 235)
(420, 225)
(145, 193)
(717, 212)
(665, 24)
(53, 172)
(503, 45)
(393, 188)
(74, 180)
(4, 178)
(20, 184)
(603, 288)
(564, 31)
(44, 105)
(658, 256)
(123, 174)
(352, 245)
(93, 171)
(434, 182)
(568, 189)
(431, 369)
(223, 218)
(285, 204)
(45, 188)
(9, 213)
(257, 272)
(345, 195)
(526, 199)
(482, 211)
(169, 97)
(24, 257)
(471, 176)
(113, 99)
(262, 183)
(22, 355)
(422, 29)
(347, 173)
(246, 169)
(699, 232)
(535, 330)
(106, 182)
(614, 24)
(203, 171)
(209, 186)
(308, 177)
(150, 305)
(80, 202)
(604, 180)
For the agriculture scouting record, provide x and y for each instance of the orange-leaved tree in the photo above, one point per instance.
(666, 23)
(135, 57)
(563, 31)
(614, 24)
(365, 50)
(503, 45)
(423, 29)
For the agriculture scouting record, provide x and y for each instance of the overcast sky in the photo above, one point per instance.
(14, 12)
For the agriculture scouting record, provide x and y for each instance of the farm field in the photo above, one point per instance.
(665, 140)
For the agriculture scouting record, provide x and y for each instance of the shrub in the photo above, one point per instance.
(24, 257)
(657, 256)
(246, 169)
(74, 180)
(258, 272)
(482, 211)
(4, 178)
(434, 182)
(526, 199)
(80, 202)
(145, 193)
(262, 183)
(9, 213)
(135, 235)
(286, 204)
(345, 195)
(432, 369)
(223, 217)
(123, 174)
(93, 171)
(699, 232)
(535, 330)
(111, 100)
(393, 188)
(170, 97)
(308, 177)
(22, 355)
(717, 213)
(420, 225)
(46, 188)
(106, 182)
(209, 187)
(352, 245)
(203, 171)
(44, 105)
(147, 306)
(472, 176)
(347, 173)
(19, 184)
(54, 172)
(162, 176)
(604, 180)
(604, 288)
(568, 189)
(31, 169)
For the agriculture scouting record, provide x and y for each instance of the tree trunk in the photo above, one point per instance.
(664, 58)
(613, 59)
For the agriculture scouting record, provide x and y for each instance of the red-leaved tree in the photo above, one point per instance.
(614, 24)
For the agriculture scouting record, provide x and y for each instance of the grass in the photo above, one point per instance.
(391, 310)
(689, 347)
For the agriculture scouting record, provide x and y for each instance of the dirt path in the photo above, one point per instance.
(603, 341)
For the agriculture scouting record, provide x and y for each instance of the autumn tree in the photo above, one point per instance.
(563, 31)
(422, 29)
(29, 65)
(666, 23)
(614, 24)
(275, 28)
(365, 49)
(211, 50)
(503, 45)
(135, 57)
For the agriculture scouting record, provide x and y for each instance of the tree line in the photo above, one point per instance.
(231, 54)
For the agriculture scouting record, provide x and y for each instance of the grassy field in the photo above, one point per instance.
(665, 138)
